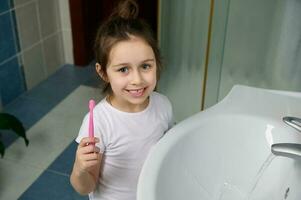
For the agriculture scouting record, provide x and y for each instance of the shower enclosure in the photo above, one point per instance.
(249, 42)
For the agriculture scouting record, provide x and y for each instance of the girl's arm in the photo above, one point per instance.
(86, 166)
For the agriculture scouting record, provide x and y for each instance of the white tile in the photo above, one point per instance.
(20, 2)
(66, 30)
(64, 14)
(43, 147)
(53, 53)
(16, 178)
(48, 138)
(49, 17)
(68, 46)
(28, 27)
(33, 64)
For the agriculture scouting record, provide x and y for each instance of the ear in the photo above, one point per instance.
(101, 73)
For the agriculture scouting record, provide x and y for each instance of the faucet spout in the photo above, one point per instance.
(293, 122)
(289, 150)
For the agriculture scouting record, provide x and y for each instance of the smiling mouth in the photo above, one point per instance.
(136, 92)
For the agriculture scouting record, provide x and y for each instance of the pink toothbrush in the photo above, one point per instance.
(91, 123)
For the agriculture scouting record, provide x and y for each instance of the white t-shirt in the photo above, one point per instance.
(126, 139)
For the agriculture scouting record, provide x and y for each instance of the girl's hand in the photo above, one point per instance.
(86, 167)
(88, 156)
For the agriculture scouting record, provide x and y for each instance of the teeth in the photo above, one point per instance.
(136, 92)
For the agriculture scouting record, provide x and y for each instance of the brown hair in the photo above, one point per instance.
(122, 24)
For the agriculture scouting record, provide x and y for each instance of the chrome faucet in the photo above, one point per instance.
(289, 150)
(293, 122)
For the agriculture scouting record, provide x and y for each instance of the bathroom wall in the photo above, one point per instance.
(36, 42)
(12, 82)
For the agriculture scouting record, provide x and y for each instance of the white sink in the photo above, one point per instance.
(224, 152)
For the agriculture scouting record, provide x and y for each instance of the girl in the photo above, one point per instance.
(131, 118)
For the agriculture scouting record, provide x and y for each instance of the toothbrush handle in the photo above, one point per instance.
(91, 124)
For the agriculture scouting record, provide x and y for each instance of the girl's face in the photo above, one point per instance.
(131, 72)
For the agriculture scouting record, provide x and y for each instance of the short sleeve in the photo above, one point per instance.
(165, 108)
(84, 132)
(171, 121)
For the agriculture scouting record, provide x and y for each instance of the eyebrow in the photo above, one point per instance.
(146, 60)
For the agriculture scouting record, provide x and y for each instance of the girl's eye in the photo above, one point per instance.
(146, 66)
(123, 70)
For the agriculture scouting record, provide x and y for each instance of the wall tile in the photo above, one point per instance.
(4, 6)
(28, 26)
(53, 52)
(11, 81)
(7, 44)
(68, 46)
(66, 30)
(64, 14)
(1, 107)
(49, 17)
(33, 66)
(20, 2)
(14, 27)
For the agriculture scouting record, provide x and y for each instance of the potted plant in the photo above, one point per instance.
(8, 121)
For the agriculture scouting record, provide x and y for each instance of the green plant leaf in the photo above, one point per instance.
(8, 121)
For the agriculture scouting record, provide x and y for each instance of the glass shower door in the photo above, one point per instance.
(259, 45)
(254, 42)
(183, 38)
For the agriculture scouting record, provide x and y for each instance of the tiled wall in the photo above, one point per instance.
(36, 41)
(12, 82)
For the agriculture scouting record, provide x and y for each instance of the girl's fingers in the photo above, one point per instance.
(90, 163)
(87, 140)
(89, 160)
(88, 149)
(90, 157)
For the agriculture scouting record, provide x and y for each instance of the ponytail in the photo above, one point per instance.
(127, 9)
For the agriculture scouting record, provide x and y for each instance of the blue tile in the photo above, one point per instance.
(12, 3)
(4, 5)
(50, 186)
(64, 162)
(11, 81)
(27, 110)
(32, 105)
(94, 81)
(60, 84)
(7, 137)
(7, 42)
(15, 29)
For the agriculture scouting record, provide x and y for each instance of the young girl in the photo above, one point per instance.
(131, 118)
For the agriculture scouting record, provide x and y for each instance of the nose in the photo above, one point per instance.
(136, 77)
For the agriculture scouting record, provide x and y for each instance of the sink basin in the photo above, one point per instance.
(224, 152)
